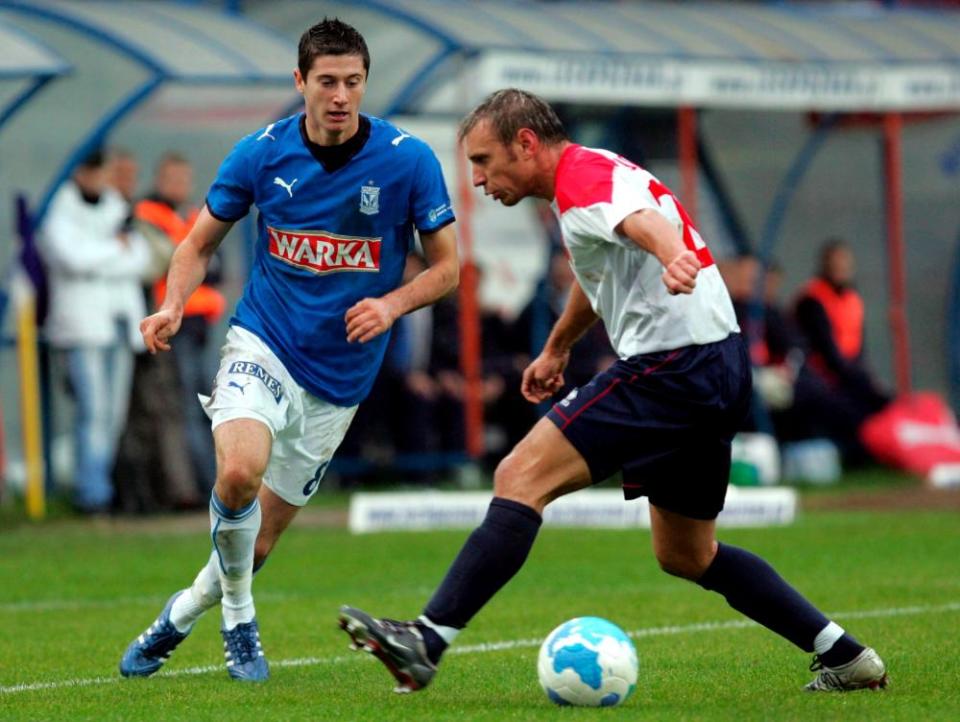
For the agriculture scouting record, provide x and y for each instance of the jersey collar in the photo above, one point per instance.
(335, 157)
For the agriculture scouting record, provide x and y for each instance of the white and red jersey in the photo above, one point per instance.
(596, 190)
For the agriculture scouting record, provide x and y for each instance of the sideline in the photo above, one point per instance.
(492, 646)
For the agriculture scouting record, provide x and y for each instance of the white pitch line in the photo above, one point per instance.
(58, 605)
(494, 646)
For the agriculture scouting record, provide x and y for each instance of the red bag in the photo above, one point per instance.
(915, 432)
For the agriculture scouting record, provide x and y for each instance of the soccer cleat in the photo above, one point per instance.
(244, 653)
(147, 653)
(865, 671)
(399, 645)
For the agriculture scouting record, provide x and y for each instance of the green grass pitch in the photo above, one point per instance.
(73, 594)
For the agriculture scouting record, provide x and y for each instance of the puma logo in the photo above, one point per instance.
(238, 386)
(288, 187)
(399, 139)
(266, 133)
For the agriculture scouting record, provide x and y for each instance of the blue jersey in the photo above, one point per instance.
(325, 240)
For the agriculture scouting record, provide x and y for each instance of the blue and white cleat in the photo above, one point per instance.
(148, 652)
(244, 653)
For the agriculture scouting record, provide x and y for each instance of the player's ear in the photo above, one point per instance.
(298, 80)
(528, 141)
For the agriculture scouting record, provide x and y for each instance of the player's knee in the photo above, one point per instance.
(509, 481)
(239, 478)
(686, 564)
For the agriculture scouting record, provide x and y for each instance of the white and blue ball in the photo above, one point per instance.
(588, 662)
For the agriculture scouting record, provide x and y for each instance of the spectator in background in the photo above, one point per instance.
(165, 209)
(830, 316)
(123, 173)
(773, 342)
(409, 407)
(151, 472)
(95, 264)
(770, 331)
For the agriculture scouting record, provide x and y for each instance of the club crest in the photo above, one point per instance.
(369, 200)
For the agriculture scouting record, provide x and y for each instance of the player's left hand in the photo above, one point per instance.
(544, 376)
(368, 318)
(681, 273)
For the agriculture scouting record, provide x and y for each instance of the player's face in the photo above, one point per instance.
(332, 92)
(496, 167)
(840, 267)
(123, 175)
(91, 180)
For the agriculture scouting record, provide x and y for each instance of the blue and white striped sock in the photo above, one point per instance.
(234, 532)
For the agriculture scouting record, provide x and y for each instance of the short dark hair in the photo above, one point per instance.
(96, 158)
(511, 109)
(330, 37)
(828, 248)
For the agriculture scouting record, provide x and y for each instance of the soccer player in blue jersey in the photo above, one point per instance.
(339, 196)
(664, 413)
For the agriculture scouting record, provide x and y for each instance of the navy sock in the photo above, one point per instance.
(434, 643)
(492, 554)
(842, 651)
(752, 587)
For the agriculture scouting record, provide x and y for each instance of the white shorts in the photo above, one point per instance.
(252, 383)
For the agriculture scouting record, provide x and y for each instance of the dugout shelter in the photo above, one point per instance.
(145, 76)
(791, 122)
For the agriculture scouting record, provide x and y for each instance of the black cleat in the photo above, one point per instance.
(399, 645)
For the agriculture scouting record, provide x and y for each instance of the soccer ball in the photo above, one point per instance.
(587, 662)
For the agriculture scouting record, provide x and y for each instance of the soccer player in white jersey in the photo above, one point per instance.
(339, 196)
(664, 414)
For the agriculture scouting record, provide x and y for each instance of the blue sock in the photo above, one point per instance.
(752, 587)
(492, 554)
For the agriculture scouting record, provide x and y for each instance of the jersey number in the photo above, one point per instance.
(691, 238)
(314, 482)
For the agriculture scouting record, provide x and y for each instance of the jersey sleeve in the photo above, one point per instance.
(231, 194)
(598, 191)
(430, 202)
(630, 192)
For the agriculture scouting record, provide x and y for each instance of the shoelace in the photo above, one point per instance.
(242, 642)
(162, 639)
(826, 677)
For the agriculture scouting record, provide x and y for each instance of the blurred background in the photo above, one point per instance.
(808, 140)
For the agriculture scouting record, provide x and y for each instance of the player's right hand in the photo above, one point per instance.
(544, 376)
(159, 328)
(681, 275)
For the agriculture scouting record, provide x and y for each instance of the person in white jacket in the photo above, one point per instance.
(95, 262)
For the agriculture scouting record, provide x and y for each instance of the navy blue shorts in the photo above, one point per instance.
(666, 420)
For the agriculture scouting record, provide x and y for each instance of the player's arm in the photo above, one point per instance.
(370, 317)
(544, 376)
(188, 267)
(657, 235)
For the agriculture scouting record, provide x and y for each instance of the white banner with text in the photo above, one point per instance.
(593, 508)
(625, 80)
